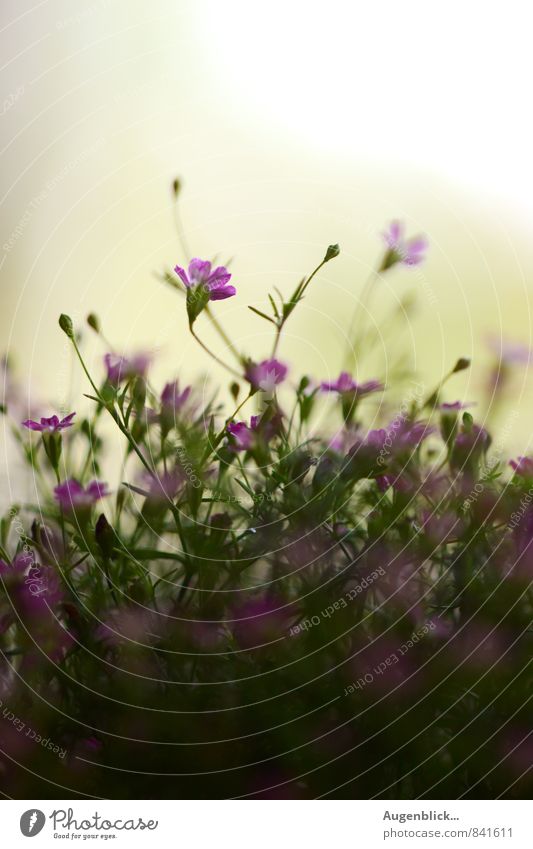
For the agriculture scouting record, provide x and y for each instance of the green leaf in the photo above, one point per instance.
(263, 315)
(273, 305)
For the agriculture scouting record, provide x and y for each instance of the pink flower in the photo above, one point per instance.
(172, 399)
(346, 385)
(172, 404)
(260, 621)
(51, 425)
(523, 466)
(71, 495)
(13, 574)
(121, 368)
(165, 487)
(455, 407)
(410, 252)
(244, 437)
(215, 281)
(265, 375)
(510, 352)
(241, 434)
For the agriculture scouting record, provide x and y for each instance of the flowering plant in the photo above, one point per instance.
(259, 608)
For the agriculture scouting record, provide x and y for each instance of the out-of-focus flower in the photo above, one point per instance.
(440, 529)
(51, 425)
(449, 422)
(163, 488)
(242, 435)
(259, 622)
(265, 375)
(215, 281)
(12, 574)
(411, 434)
(36, 595)
(346, 385)
(351, 392)
(49, 539)
(260, 431)
(454, 407)
(131, 626)
(401, 482)
(523, 467)
(365, 456)
(470, 444)
(71, 495)
(173, 402)
(510, 353)
(171, 397)
(406, 251)
(121, 368)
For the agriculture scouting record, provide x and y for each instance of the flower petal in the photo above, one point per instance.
(220, 294)
(199, 270)
(182, 274)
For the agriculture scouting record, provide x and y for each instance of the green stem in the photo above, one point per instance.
(220, 436)
(357, 321)
(298, 295)
(223, 335)
(214, 356)
(112, 412)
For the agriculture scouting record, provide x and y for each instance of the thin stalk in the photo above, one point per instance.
(298, 295)
(222, 433)
(357, 321)
(113, 413)
(223, 335)
(214, 356)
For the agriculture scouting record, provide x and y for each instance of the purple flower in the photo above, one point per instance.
(265, 375)
(472, 438)
(165, 487)
(470, 444)
(51, 425)
(260, 621)
(172, 399)
(455, 407)
(15, 572)
(408, 252)
(243, 435)
(510, 352)
(121, 368)
(172, 403)
(411, 434)
(71, 495)
(215, 281)
(346, 385)
(523, 467)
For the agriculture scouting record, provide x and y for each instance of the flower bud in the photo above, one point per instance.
(104, 535)
(65, 323)
(94, 322)
(461, 364)
(332, 252)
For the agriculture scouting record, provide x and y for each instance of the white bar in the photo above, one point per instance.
(272, 824)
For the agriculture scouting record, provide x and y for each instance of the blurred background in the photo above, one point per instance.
(292, 125)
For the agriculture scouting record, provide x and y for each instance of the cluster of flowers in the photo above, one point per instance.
(160, 626)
